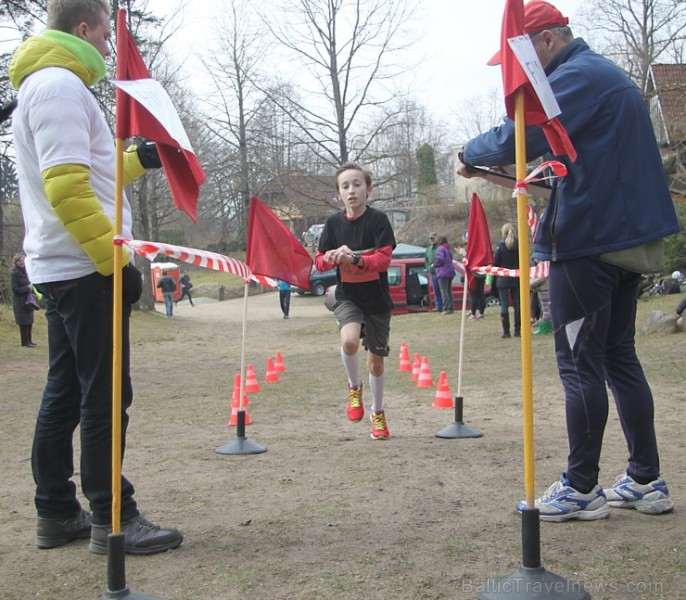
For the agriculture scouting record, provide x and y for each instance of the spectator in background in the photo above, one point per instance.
(186, 287)
(23, 312)
(168, 286)
(507, 256)
(285, 297)
(429, 261)
(539, 286)
(477, 297)
(445, 271)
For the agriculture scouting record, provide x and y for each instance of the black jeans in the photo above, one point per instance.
(477, 299)
(593, 308)
(79, 392)
(285, 301)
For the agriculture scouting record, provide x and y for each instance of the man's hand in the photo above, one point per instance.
(148, 155)
(464, 170)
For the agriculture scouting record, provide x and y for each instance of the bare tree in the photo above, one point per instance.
(478, 114)
(17, 22)
(349, 49)
(636, 33)
(233, 68)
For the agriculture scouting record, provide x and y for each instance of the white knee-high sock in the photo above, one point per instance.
(351, 364)
(376, 386)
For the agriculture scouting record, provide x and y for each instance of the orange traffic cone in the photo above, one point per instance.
(278, 364)
(272, 375)
(416, 366)
(235, 407)
(251, 383)
(237, 390)
(404, 364)
(425, 379)
(443, 397)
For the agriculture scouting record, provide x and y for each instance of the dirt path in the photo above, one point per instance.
(326, 512)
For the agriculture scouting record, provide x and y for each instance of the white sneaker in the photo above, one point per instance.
(561, 502)
(649, 499)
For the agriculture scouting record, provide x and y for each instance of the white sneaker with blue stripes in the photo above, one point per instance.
(650, 499)
(561, 502)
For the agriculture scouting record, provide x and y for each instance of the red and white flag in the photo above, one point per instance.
(143, 108)
(514, 78)
(273, 250)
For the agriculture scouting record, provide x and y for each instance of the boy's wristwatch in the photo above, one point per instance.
(356, 258)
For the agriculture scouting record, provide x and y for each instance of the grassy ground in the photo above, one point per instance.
(326, 513)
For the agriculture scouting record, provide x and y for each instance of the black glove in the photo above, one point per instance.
(147, 154)
(132, 284)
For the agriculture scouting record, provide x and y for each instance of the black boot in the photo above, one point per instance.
(29, 336)
(505, 320)
(517, 324)
(23, 333)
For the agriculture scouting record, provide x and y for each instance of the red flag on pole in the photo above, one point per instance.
(272, 250)
(144, 109)
(479, 249)
(518, 20)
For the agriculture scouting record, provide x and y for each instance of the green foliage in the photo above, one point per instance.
(675, 245)
(426, 167)
(173, 236)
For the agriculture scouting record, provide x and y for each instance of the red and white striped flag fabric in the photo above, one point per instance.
(143, 108)
(199, 258)
(540, 270)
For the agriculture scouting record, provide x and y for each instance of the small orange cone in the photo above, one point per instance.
(425, 379)
(278, 364)
(416, 366)
(235, 406)
(271, 376)
(443, 397)
(404, 364)
(251, 383)
(237, 390)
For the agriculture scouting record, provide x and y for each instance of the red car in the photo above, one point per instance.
(410, 290)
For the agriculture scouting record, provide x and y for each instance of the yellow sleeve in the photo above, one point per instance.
(73, 199)
(133, 168)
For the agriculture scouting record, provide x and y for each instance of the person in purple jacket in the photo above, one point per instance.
(445, 271)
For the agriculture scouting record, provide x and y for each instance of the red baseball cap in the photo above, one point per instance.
(538, 15)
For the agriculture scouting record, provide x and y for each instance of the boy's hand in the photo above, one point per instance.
(339, 255)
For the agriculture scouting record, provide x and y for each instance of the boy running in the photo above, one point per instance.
(358, 242)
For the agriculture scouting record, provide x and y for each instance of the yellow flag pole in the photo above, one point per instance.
(117, 340)
(524, 300)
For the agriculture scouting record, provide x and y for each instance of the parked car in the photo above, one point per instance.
(310, 237)
(319, 281)
(409, 286)
(491, 293)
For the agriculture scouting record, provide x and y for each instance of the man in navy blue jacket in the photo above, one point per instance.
(603, 227)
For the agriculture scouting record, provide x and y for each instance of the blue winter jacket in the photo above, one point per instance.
(615, 195)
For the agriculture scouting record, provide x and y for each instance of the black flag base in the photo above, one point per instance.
(458, 429)
(241, 445)
(531, 580)
(116, 572)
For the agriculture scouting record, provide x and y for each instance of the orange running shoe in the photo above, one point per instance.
(355, 409)
(379, 427)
